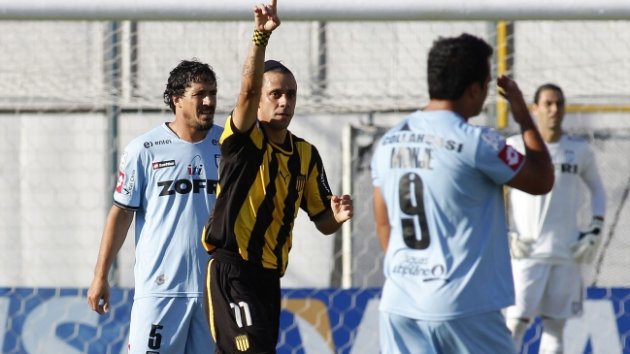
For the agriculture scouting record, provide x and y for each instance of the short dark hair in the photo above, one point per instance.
(456, 62)
(184, 74)
(274, 65)
(547, 86)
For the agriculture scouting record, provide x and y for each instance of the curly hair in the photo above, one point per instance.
(456, 62)
(183, 75)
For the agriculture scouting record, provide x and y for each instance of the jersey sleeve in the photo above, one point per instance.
(590, 176)
(130, 179)
(497, 159)
(317, 193)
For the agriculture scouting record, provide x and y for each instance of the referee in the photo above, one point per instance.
(266, 175)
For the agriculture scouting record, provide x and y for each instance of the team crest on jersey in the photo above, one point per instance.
(511, 157)
(242, 342)
(300, 183)
(569, 156)
(195, 167)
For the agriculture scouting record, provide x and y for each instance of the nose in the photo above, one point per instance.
(283, 100)
(208, 100)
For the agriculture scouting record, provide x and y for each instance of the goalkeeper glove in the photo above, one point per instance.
(520, 246)
(588, 242)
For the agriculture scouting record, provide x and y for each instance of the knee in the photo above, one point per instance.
(552, 338)
(518, 326)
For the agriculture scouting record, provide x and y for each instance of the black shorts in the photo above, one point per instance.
(243, 304)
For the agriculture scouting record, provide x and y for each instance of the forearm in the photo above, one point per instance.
(251, 83)
(535, 148)
(383, 232)
(265, 22)
(114, 234)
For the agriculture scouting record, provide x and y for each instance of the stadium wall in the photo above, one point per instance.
(313, 321)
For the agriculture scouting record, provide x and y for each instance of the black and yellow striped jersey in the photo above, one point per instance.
(261, 188)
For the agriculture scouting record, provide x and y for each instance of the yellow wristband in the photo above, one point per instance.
(260, 38)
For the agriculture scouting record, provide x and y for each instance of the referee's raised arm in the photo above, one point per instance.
(265, 21)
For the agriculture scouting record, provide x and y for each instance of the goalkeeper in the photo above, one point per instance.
(546, 242)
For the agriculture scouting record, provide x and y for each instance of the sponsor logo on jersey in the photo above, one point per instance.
(511, 157)
(419, 267)
(195, 167)
(567, 168)
(161, 164)
(323, 181)
(148, 144)
(185, 186)
(120, 182)
(125, 183)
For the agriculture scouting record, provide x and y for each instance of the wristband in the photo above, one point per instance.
(260, 38)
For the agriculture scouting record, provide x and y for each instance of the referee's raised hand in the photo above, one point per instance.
(266, 17)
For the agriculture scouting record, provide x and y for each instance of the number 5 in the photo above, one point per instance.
(155, 339)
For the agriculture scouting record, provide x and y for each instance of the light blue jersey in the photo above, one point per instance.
(442, 182)
(170, 184)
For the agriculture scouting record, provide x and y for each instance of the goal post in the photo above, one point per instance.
(80, 79)
(322, 10)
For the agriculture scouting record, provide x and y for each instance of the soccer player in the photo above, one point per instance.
(546, 243)
(267, 175)
(167, 178)
(439, 211)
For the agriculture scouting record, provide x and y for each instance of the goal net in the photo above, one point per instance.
(74, 92)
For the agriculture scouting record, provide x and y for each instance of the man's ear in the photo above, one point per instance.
(474, 90)
(176, 101)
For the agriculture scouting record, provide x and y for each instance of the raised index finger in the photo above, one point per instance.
(274, 3)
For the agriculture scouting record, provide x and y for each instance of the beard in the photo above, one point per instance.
(203, 126)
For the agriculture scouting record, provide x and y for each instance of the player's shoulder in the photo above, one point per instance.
(216, 130)
(573, 138)
(302, 144)
(490, 137)
(214, 134)
(514, 138)
(575, 142)
(408, 123)
(298, 139)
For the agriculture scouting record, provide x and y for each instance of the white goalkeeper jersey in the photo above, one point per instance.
(551, 219)
(170, 184)
(442, 180)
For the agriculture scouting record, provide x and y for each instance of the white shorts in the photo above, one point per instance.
(172, 325)
(545, 289)
(484, 333)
